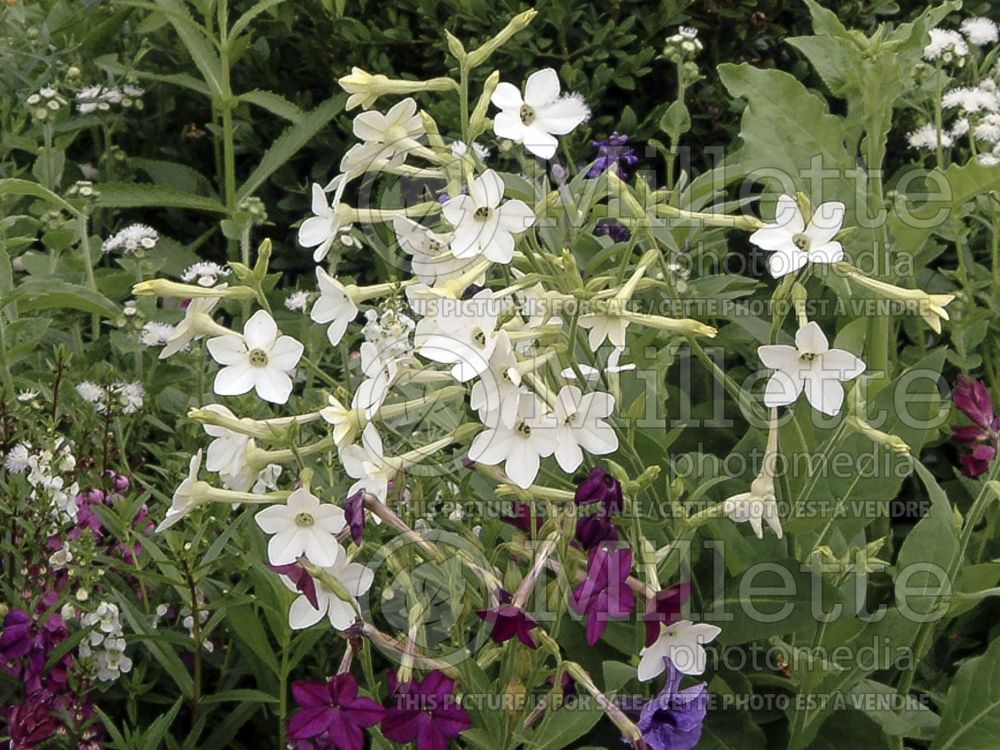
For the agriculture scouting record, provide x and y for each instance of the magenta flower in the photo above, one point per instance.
(425, 712)
(332, 714)
(664, 607)
(593, 531)
(507, 621)
(973, 399)
(600, 487)
(604, 594)
(354, 514)
(304, 583)
(673, 720)
(32, 722)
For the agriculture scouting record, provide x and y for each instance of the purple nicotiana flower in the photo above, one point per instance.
(425, 712)
(354, 514)
(520, 517)
(600, 487)
(604, 594)
(615, 151)
(304, 583)
(973, 399)
(673, 720)
(664, 607)
(592, 531)
(617, 232)
(507, 621)
(332, 715)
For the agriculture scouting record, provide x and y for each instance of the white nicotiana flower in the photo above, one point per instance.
(186, 495)
(226, 454)
(794, 244)
(680, 642)
(484, 224)
(592, 374)
(379, 371)
(495, 393)
(536, 118)
(980, 31)
(519, 447)
(196, 324)
(297, 301)
(353, 579)
(606, 325)
(390, 332)
(431, 258)
(367, 464)
(302, 526)
(760, 503)
(947, 46)
(204, 273)
(267, 479)
(330, 219)
(136, 238)
(580, 426)
(334, 306)
(926, 137)
(389, 136)
(462, 334)
(810, 366)
(155, 333)
(260, 359)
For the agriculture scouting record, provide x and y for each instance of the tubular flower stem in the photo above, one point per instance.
(263, 429)
(625, 725)
(402, 409)
(930, 307)
(210, 494)
(365, 88)
(685, 326)
(385, 215)
(478, 119)
(893, 442)
(166, 288)
(481, 54)
(330, 583)
(383, 511)
(260, 457)
(390, 644)
(540, 387)
(532, 364)
(535, 491)
(746, 223)
(528, 583)
(622, 297)
(360, 294)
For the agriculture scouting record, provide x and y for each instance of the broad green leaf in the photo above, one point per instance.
(141, 195)
(289, 143)
(16, 186)
(971, 716)
(175, 175)
(565, 727)
(49, 164)
(48, 294)
(730, 730)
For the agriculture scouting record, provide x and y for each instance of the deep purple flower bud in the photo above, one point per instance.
(120, 482)
(95, 495)
(507, 621)
(300, 578)
(973, 399)
(664, 607)
(425, 712)
(354, 514)
(614, 230)
(600, 487)
(332, 713)
(673, 720)
(604, 594)
(592, 531)
(520, 518)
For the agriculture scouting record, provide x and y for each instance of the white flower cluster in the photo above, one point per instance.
(187, 620)
(106, 642)
(46, 102)
(100, 98)
(49, 471)
(204, 273)
(135, 239)
(118, 397)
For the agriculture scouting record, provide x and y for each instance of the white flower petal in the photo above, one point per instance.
(541, 88)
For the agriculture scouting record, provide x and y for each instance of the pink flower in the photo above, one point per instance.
(973, 399)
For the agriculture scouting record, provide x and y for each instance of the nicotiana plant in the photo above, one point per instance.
(479, 494)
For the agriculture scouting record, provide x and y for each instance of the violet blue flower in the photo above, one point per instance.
(673, 720)
(332, 715)
(507, 621)
(614, 151)
(425, 712)
(973, 399)
(604, 594)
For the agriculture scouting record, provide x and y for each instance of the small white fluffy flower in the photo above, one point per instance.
(459, 149)
(972, 99)
(980, 31)
(132, 239)
(90, 391)
(155, 333)
(946, 45)
(204, 273)
(16, 461)
(297, 301)
(988, 129)
(925, 137)
(131, 396)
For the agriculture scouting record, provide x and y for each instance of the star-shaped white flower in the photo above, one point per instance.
(810, 366)
(192, 327)
(330, 219)
(302, 526)
(334, 306)
(430, 253)
(519, 447)
(260, 359)
(756, 506)
(793, 243)
(540, 115)
(604, 326)
(389, 136)
(462, 334)
(580, 426)
(592, 374)
(225, 454)
(367, 464)
(681, 643)
(495, 393)
(482, 225)
(186, 495)
(354, 579)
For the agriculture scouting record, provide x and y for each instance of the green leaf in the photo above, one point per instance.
(971, 716)
(48, 167)
(275, 104)
(15, 186)
(676, 120)
(246, 624)
(565, 727)
(140, 195)
(289, 143)
(194, 39)
(244, 21)
(240, 696)
(175, 175)
(47, 294)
